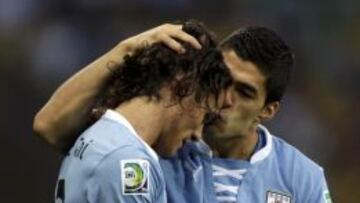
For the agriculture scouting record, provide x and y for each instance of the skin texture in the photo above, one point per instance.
(235, 136)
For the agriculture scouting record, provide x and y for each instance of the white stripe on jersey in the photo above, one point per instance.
(226, 199)
(219, 187)
(220, 173)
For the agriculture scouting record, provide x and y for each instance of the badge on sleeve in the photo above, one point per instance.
(276, 197)
(135, 176)
(327, 196)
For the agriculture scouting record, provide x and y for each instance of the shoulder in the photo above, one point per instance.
(109, 132)
(128, 156)
(303, 175)
(286, 157)
(291, 171)
(293, 157)
(130, 172)
(102, 139)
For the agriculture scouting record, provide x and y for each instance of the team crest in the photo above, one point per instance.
(277, 197)
(135, 176)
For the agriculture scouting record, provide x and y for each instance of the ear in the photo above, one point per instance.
(269, 111)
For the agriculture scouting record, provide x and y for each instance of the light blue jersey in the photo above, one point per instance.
(275, 173)
(110, 163)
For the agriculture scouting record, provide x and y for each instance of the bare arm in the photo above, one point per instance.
(66, 113)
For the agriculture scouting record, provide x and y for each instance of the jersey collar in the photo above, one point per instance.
(116, 116)
(265, 151)
(259, 155)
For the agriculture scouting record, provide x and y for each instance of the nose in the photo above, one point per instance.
(228, 100)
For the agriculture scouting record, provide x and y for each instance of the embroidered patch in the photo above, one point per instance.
(134, 176)
(327, 196)
(277, 197)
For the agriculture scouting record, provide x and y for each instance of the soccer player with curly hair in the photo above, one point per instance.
(153, 102)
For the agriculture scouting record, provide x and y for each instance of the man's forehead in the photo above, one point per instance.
(243, 71)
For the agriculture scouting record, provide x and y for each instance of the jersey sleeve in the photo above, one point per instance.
(320, 192)
(123, 176)
(312, 187)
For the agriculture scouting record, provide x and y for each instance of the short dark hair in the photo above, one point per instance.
(268, 52)
(199, 72)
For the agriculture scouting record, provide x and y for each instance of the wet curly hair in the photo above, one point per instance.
(202, 72)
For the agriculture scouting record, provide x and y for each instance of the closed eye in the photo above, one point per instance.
(245, 90)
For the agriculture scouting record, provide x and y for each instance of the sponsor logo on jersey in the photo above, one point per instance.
(135, 176)
(277, 197)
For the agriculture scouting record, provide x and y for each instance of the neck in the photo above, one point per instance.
(143, 115)
(236, 147)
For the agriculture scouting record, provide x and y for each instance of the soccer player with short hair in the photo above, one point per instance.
(241, 160)
(150, 106)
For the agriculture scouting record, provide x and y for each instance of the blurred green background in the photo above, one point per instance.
(43, 42)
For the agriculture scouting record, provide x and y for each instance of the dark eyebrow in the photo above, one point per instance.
(247, 87)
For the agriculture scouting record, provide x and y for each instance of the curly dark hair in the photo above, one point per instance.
(268, 52)
(199, 72)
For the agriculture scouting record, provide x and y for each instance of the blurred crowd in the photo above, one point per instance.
(43, 42)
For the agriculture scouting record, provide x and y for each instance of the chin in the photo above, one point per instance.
(214, 130)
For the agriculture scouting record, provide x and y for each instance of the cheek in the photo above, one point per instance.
(199, 118)
(182, 128)
(245, 112)
(194, 118)
(241, 112)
